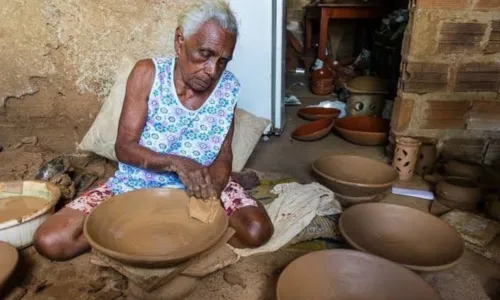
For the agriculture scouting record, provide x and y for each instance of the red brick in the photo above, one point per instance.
(484, 115)
(425, 77)
(457, 37)
(445, 114)
(478, 77)
(487, 5)
(442, 4)
(401, 114)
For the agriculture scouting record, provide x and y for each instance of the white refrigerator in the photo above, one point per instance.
(259, 59)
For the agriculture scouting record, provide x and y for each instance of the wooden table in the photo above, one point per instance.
(338, 9)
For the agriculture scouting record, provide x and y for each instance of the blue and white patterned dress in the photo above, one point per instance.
(171, 128)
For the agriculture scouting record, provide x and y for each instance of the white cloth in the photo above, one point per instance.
(294, 209)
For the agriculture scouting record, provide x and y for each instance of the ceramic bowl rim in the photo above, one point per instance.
(367, 185)
(326, 129)
(364, 253)
(361, 131)
(51, 203)
(412, 267)
(16, 261)
(145, 259)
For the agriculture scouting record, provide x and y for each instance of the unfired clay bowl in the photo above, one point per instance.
(364, 130)
(347, 201)
(8, 261)
(458, 192)
(151, 228)
(405, 235)
(316, 113)
(347, 274)
(463, 169)
(314, 130)
(355, 176)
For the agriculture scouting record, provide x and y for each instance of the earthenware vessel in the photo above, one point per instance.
(362, 130)
(316, 113)
(405, 156)
(493, 207)
(426, 159)
(405, 235)
(347, 274)
(355, 176)
(313, 131)
(367, 96)
(458, 192)
(463, 169)
(322, 82)
(156, 233)
(348, 201)
(367, 84)
(8, 261)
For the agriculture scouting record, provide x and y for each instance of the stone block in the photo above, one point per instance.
(445, 114)
(487, 5)
(478, 77)
(459, 37)
(401, 114)
(493, 45)
(425, 77)
(465, 149)
(484, 115)
(442, 4)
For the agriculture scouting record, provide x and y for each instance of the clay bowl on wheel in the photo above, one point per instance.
(314, 130)
(316, 113)
(151, 228)
(364, 130)
(405, 235)
(355, 176)
(348, 274)
(8, 261)
(458, 192)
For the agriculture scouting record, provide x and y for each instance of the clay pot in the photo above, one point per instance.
(463, 169)
(405, 235)
(314, 130)
(365, 105)
(367, 131)
(493, 207)
(316, 113)
(355, 176)
(458, 192)
(367, 84)
(322, 82)
(8, 262)
(426, 159)
(348, 201)
(405, 156)
(347, 274)
(156, 233)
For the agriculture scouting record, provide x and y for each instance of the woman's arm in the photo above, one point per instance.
(220, 169)
(132, 121)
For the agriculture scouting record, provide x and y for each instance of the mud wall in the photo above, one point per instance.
(58, 59)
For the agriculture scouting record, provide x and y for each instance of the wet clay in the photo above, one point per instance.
(204, 210)
(348, 274)
(367, 131)
(355, 176)
(12, 208)
(401, 234)
(8, 261)
(151, 228)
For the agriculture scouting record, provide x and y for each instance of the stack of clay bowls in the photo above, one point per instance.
(355, 179)
(458, 192)
(322, 123)
(363, 130)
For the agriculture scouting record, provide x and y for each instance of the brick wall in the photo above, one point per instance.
(450, 77)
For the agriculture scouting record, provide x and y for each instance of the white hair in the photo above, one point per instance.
(202, 11)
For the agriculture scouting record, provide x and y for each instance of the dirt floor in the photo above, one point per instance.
(39, 278)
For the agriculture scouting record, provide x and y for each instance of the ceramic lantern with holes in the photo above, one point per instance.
(406, 156)
(367, 96)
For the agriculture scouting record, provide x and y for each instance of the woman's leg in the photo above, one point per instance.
(246, 216)
(61, 236)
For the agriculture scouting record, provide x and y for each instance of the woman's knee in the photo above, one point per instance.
(49, 244)
(259, 231)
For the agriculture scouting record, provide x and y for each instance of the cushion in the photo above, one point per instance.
(101, 137)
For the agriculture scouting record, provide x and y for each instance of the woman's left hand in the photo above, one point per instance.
(195, 177)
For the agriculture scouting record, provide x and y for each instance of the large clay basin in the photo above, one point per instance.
(348, 274)
(405, 235)
(313, 131)
(151, 228)
(355, 176)
(364, 130)
(316, 113)
(8, 261)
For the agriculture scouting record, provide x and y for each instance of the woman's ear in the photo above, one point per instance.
(179, 40)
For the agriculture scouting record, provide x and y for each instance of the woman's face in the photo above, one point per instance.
(204, 55)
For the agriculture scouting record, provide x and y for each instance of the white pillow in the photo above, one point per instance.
(101, 136)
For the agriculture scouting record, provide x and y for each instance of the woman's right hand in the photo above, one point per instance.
(195, 177)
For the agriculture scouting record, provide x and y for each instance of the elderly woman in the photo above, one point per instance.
(175, 131)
